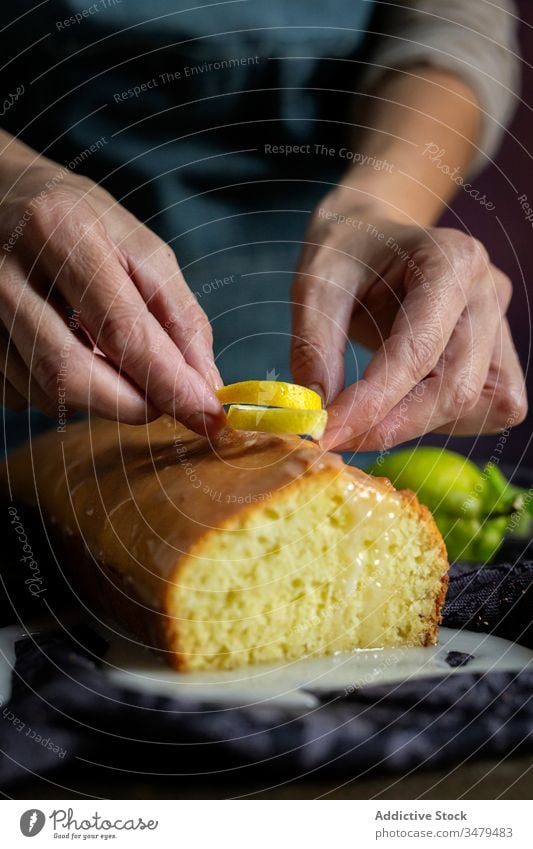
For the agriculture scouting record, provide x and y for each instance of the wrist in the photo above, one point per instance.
(398, 195)
(360, 201)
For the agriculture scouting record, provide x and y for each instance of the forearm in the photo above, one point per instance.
(413, 115)
(384, 277)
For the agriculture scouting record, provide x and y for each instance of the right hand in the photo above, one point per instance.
(429, 303)
(143, 346)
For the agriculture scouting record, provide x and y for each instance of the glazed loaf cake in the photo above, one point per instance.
(257, 548)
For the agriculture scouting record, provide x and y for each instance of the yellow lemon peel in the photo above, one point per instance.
(270, 393)
(277, 420)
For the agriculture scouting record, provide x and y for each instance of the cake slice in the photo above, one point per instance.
(257, 548)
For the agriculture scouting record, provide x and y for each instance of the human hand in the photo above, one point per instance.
(69, 245)
(431, 306)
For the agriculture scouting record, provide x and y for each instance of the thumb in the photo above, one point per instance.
(322, 306)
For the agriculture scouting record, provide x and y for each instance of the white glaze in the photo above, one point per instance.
(134, 667)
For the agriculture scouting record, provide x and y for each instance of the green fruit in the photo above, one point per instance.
(471, 539)
(443, 480)
(490, 538)
(472, 508)
(458, 535)
(500, 496)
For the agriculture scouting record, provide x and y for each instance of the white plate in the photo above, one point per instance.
(291, 683)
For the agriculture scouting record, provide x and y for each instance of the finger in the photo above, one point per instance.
(503, 400)
(18, 375)
(62, 368)
(453, 388)
(92, 275)
(420, 333)
(156, 274)
(323, 301)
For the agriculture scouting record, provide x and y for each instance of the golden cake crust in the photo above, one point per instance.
(132, 505)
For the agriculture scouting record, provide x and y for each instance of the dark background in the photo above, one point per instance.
(509, 237)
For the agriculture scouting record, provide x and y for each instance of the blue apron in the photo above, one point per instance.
(214, 125)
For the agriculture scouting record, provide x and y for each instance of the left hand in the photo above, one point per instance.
(432, 307)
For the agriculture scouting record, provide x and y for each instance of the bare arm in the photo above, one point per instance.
(427, 300)
(412, 114)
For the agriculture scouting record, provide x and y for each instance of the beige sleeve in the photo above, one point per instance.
(476, 39)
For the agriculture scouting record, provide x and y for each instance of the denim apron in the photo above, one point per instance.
(215, 125)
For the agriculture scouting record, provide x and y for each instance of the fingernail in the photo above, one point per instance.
(205, 423)
(215, 378)
(336, 436)
(210, 404)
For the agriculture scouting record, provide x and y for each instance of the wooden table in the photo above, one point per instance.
(511, 778)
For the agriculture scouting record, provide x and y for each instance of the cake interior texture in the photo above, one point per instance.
(330, 564)
(259, 548)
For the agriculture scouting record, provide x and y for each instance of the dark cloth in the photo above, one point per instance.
(60, 692)
(171, 109)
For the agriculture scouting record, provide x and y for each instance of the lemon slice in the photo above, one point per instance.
(270, 393)
(304, 422)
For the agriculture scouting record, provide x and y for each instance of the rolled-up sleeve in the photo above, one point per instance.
(474, 39)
